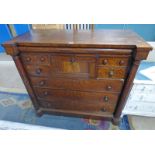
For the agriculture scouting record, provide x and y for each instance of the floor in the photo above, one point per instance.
(10, 78)
(142, 123)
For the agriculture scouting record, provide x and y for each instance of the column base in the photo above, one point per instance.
(39, 113)
(115, 121)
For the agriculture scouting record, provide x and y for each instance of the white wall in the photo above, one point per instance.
(151, 56)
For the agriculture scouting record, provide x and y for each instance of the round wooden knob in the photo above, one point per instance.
(41, 83)
(106, 98)
(28, 59)
(42, 59)
(104, 62)
(111, 73)
(109, 87)
(46, 93)
(48, 104)
(103, 110)
(38, 71)
(121, 62)
(72, 60)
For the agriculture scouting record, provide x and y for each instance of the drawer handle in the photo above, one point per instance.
(48, 105)
(28, 59)
(42, 83)
(72, 60)
(109, 87)
(42, 59)
(111, 73)
(103, 110)
(104, 62)
(38, 71)
(46, 93)
(106, 98)
(121, 62)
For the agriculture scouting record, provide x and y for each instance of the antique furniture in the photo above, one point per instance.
(78, 73)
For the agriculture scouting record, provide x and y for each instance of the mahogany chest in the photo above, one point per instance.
(78, 73)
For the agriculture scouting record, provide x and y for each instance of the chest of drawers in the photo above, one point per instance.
(78, 73)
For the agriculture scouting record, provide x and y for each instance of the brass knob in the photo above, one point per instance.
(106, 98)
(46, 93)
(38, 71)
(28, 59)
(109, 87)
(103, 110)
(41, 83)
(111, 73)
(121, 62)
(42, 59)
(104, 62)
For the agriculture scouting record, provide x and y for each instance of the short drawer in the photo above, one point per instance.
(40, 59)
(114, 61)
(111, 72)
(82, 85)
(78, 99)
(42, 71)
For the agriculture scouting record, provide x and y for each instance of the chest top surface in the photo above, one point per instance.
(81, 38)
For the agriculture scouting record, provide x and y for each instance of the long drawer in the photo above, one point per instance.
(75, 106)
(77, 100)
(82, 85)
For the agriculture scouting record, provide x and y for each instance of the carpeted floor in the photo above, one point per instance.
(17, 107)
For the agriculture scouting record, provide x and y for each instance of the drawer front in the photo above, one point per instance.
(85, 100)
(82, 85)
(111, 72)
(114, 61)
(67, 104)
(40, 59)
(75, 65)
(42, 71)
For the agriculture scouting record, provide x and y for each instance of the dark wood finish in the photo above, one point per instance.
(81, 84)
(114, 61)
(23, 75)
(111, 72)
(40, 59)
(78, 100)
(78, 73)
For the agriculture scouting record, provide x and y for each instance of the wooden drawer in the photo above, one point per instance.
(82, 85)
(42, 71)
(40, 59)
(66, 104)
(76, 99)
(111, 72)
(73, 65)
(114, 61)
